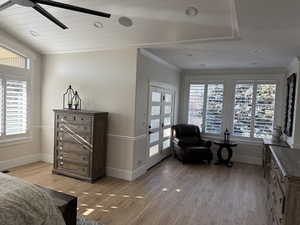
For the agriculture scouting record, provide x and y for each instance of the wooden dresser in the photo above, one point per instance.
(284, 187)
(80, 144)
(267, 154)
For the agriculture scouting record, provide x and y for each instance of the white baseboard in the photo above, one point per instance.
(119, 173)
(125, 174)
(20, 161)
(48, 158)
(139, 172)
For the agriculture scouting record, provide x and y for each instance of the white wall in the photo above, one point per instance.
(294, 141)
(150, 69)
(22, 152)
(248, 151)
(106, 82)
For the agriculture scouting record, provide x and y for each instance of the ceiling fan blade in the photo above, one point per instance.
(42, 11)
(6, 5)
(72, 7)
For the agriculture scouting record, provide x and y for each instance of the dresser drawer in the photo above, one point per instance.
(74, 168)
(74, 156)
(74, 118)
(73, 147)
(75, 138)
(74, 128)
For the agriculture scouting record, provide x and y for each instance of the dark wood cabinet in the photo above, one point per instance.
(80, 144)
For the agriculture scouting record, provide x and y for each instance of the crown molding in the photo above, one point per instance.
(236, 71)
(159, 60)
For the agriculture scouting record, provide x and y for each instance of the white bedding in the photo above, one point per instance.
(22, 203)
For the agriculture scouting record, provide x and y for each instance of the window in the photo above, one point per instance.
(15, 107)
(13, 95)
(206, 107)
(10, 58)
(243, 110)
(254, 110)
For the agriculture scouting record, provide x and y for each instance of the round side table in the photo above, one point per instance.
(228, 145)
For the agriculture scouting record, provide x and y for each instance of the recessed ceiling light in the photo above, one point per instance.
(98, 25)
(191, 11)
(257, 51)
(125, 21)
(34, 33)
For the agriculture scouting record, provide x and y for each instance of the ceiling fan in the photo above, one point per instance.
(36, 5)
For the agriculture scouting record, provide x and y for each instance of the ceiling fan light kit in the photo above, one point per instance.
(36, 4)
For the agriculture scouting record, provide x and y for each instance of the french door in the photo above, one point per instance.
(161, 118)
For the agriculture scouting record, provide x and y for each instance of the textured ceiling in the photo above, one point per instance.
(155, 22)
(270, 37)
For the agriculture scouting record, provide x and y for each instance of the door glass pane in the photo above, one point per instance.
(153, 150)
(167, 121)
(168, 98)
(154, 124)
(167, 132)
(156, 96)
(155, 110)
(168, 109)
(166, 144)
(154, 137)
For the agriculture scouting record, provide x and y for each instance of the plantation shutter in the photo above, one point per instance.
(214, 108)
(264, 110)
(243, 110)
(16, 107)
(196, 104)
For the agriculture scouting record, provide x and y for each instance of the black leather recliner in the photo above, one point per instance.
(188, 145)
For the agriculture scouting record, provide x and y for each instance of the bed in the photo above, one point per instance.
(22, 203)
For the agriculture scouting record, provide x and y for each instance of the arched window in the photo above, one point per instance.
(14, 95)
(10, 58)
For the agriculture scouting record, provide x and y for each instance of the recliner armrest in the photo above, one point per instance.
(175, 140)
(207, 144)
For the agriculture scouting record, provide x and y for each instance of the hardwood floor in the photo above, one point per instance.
(170, 194)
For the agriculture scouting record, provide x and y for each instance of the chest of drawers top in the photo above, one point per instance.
(80, 112)
(288, 161)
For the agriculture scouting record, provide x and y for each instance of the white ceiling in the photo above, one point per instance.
(266, 33)
(155, 22)
(270, 37)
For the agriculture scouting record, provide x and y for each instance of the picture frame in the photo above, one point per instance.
(290, 105)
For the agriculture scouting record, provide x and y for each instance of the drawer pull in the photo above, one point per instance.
(61, 163)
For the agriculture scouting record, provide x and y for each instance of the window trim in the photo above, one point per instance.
(206, 83)
(27, 59)
(14, 73)
(255, 83)
(229, 81)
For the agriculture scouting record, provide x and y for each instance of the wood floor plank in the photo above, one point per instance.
(169, 194)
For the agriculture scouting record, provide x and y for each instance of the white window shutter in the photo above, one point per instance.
(196, 104)
(16, 107)
(264, 110)
(243, 104)
(214, 109)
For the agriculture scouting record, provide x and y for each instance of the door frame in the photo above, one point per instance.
(151, 161)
